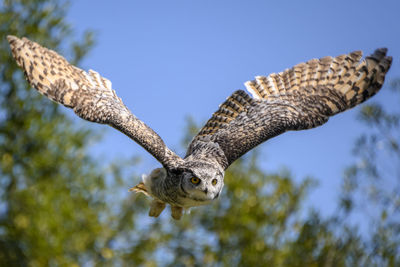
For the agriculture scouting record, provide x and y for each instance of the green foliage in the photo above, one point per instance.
(59, 206)
(371, 185)
(51, 193)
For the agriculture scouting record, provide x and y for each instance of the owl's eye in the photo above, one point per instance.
(195, 180)
(214, 181)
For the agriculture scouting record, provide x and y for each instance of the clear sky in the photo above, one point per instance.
(171, 59)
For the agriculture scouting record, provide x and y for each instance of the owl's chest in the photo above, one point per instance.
(177, 197)
(188, 202)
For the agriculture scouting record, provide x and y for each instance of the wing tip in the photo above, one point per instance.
(14, 42)
(376, 65)
(12, 38)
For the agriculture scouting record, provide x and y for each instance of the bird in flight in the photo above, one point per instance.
(302, 97)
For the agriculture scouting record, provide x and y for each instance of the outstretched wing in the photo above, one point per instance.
(302, 97)
(88, 94)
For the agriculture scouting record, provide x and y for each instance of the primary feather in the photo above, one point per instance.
(88, 94)
(302, 97)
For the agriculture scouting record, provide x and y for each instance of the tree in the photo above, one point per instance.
(59, 206)
(371, 186)
(49, 214)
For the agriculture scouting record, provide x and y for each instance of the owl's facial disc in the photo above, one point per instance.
(202, 188)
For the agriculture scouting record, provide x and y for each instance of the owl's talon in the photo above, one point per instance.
(156, 208)
(176, 212)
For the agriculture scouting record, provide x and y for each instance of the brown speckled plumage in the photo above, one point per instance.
(88, 94)
(302, 97)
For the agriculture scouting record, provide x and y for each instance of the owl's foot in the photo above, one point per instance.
(156, 208)
(139, 188)
(176, 212)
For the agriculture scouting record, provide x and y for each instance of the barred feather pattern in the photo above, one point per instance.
(90, 95)
(302, 97)
(227, 112)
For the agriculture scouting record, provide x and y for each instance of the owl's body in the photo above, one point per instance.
(177, 189)
(302, 97)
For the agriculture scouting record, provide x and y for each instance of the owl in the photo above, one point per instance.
(302, 97)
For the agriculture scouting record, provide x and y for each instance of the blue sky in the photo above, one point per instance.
(171, 59)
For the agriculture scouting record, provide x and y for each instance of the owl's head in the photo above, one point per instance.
(192, 184)
(200, 183)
